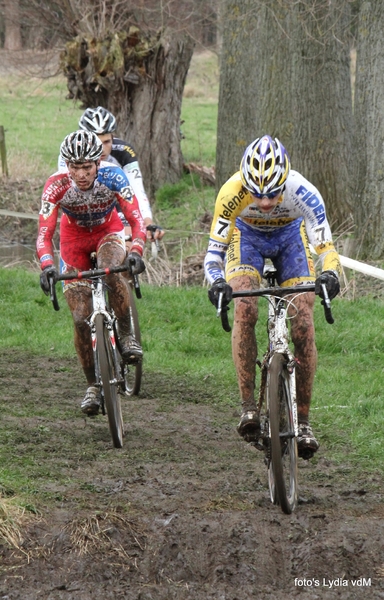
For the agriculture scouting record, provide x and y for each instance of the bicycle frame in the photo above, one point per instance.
(111, 371)
(278, 342)
(99, 303)
(277, 391)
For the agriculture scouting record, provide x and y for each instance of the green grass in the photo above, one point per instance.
(199, 129)
(36, 118)
(183, 340)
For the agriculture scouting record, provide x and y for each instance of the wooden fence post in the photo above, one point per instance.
(3, 152)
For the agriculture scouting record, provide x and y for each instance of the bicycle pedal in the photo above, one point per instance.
(258, 445)
(133, 360)
(306, 453)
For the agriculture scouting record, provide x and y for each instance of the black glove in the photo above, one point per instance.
(135, 263)
(153, 228)
(220, 285)
(47, 274)
(331, 283)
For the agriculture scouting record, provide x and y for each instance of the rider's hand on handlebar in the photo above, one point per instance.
(47, 274)
(135, 263)
(154, 232)
(220, 285)
(331, 282)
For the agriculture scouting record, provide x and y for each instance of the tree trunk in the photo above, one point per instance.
(12, 25)
(285, 71)
(150, 114)
(320, 142)
(369, 131)
(141, 81)
(250, 81)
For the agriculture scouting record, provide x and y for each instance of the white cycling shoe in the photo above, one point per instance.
(90, 406)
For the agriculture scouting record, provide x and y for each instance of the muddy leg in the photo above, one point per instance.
(303, 337)
(112, 255)
(244, 345)
(79, 300)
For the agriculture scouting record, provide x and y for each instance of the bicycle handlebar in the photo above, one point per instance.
(155, 242)
(91, 274)
(222, 310)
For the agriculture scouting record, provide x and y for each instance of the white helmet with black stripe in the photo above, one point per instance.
(99, 120)
(81, 146)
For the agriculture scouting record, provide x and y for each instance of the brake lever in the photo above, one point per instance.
(52, 293)
(327, 305)
(222, 311)
(154, 241)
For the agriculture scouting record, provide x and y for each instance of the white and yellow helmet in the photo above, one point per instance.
(265, 166)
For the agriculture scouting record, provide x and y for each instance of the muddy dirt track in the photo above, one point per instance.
(182, 511)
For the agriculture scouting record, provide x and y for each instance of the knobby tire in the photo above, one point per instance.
(132, 373)
(108, 375)
(283, 465)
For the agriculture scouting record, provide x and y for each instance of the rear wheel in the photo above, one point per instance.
(109, 382)
(282, 469)
(132, 372)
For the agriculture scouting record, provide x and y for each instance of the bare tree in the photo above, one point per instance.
(285, 71)
(131, 57)
(369, 131)
(12, 25)
(141, 80)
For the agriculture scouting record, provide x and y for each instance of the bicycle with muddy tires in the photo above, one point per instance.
(113, 375)
(277, 389)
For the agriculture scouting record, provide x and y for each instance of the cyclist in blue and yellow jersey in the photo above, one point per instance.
(87, 193)
(119, 152)
(268, 211)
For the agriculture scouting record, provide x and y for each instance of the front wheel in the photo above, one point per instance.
(282, 470)
(132, 373)
(109, 382)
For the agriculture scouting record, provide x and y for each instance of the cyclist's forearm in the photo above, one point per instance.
(214, 267)
(330, 260)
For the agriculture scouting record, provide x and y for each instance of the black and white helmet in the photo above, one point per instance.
(99, 120)
(81, 146)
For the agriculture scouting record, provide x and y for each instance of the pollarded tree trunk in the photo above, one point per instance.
(285, 71)
(141, 81)
(369, 131)
(149, 114)
(12, 25)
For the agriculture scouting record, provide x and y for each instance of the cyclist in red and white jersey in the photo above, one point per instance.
(119, 152)
(268, 211)
(87, 194)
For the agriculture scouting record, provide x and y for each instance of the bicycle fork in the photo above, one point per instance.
(99, 308)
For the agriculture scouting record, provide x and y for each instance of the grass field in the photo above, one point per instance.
(347, 401)
(37, 116)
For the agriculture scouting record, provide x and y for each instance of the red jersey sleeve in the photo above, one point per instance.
(54, 190)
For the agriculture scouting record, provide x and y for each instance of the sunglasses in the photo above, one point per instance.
(270, 195)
